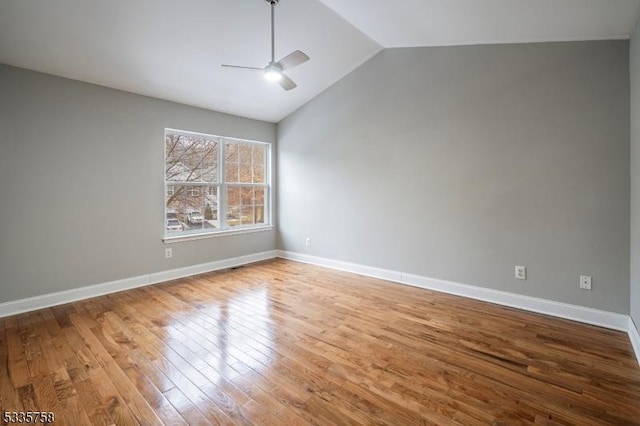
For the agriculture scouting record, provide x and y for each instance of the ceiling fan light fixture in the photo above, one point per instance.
(273, 72)
(273, 75)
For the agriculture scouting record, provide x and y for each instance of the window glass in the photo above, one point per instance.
(196, 180)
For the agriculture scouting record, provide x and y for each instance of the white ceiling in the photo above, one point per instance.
(173, 49)
(406, 23)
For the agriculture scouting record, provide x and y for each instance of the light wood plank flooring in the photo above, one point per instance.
(285, 343)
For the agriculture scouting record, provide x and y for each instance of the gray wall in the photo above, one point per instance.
(460, 162)
(81, 184)
(634, 66)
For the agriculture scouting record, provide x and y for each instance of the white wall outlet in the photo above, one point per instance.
(521, 272)
(307, 241)
(168, 253)
(585, 282)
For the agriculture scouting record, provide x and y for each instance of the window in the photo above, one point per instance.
(214, 184)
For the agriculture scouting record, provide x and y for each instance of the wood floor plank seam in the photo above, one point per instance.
(281, 342)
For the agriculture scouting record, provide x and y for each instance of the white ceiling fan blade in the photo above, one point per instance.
(241, 67)
(287, 83)
(293, 59)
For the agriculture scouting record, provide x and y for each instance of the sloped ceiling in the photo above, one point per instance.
(408, 23)
(173, 49)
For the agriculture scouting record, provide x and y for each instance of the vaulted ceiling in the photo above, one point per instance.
(406, 23)
(173, 49)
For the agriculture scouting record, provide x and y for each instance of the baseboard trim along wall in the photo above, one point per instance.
(634, 337)
(582, 314)
(562, 310)
(52, 299)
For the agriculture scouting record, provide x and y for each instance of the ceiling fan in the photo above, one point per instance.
(274, 70)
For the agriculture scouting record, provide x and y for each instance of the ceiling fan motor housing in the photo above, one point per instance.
(273, 67)
(272, 2)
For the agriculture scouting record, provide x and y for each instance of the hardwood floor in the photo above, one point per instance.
(281, 342)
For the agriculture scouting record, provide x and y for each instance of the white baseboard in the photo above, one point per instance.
(52, 299)
(188, 271)
(582, 314)
(634, 337)
(562, 310)
(528, 303)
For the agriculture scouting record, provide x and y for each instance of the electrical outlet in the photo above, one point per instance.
(521, 272)
(307, 241)
(168, 253)
(585, 282)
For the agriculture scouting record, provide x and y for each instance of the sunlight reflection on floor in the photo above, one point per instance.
(224, 340)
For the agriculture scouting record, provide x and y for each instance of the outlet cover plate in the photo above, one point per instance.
(521, 272)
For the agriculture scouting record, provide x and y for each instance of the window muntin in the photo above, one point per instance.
(206, 195)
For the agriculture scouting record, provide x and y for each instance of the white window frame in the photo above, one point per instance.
(223, 229)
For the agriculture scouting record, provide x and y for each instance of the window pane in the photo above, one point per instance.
(245, 162)
(210, 160)
(183, 158)
(233, 206)
(246, 215)
(258, 173)
(259, 195)
(259, 203)
(231, 151)
(191, 209)
(232, 164)
(231, 173)
(245, 205)
(175, 150)
(233, 196)
(211, 217)
(245, 171)
(259, 153)
(175, 208)
(246, 196)
(259, 214)
(192, 173)
(244, 153)
(191, 158)
(210, 211)
(202, 208)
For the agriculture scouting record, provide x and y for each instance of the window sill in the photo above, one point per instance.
(226, 233)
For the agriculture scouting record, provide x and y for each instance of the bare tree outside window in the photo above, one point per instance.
(198, 186)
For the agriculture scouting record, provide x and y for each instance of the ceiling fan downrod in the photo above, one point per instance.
(273, 31)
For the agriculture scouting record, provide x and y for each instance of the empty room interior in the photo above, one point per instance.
(325, 212)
